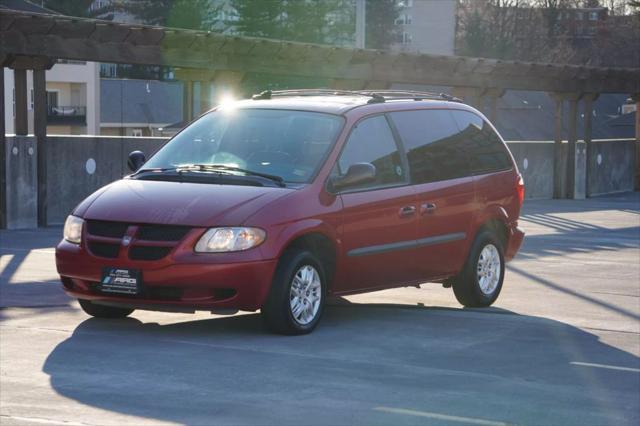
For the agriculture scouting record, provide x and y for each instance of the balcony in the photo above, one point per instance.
(67, 115)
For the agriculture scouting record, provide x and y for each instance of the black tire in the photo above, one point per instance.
(101, 311)
(466, 286)
(277, 312)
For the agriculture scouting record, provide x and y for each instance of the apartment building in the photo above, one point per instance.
(73, 91)
(426, 26)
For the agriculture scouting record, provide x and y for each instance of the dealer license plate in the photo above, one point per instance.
(121, 281)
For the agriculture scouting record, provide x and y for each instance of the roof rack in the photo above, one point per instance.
(376, 96)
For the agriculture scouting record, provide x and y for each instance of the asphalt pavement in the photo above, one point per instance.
(561, 345)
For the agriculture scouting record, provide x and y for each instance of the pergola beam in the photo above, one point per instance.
(101, 41)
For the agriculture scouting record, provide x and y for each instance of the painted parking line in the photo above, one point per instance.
(42, 421)
(439, 416)
(609, 367)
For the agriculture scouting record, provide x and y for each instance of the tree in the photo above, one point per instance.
(381, 30)
(79, 8)
(309, 21)
(190, 14)
(488, 28)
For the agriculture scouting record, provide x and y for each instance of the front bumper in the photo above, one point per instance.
(181, 282)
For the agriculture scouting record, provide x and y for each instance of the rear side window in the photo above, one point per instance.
(371, 141)
(433, 143)
(486, 151)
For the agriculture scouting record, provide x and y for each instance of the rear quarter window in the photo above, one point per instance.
(434, 145)
(483, 146)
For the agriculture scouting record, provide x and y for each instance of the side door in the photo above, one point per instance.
(379, 217)
(445, 188)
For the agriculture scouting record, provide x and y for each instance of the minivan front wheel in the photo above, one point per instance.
(480, 281)
(296, 300)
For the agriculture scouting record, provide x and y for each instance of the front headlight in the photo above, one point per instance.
(217, 240)
(73, 229)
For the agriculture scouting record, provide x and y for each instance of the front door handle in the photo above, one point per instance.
(407, 211)
(428, 208)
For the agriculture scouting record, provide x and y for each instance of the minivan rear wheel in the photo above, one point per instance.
(296, 299)
(102, 311)
(480, 281)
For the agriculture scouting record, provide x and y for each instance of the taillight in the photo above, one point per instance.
(520, 189)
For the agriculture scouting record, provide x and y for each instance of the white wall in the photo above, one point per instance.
(433, 27)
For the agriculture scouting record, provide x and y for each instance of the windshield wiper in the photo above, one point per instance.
(224, 167)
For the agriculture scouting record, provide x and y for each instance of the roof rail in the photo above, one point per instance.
(376, 96)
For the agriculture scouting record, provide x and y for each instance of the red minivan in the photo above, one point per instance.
(276, 202)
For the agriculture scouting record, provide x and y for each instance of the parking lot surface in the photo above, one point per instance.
(560, 347)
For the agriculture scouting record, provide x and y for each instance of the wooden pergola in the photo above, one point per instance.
(35, 41)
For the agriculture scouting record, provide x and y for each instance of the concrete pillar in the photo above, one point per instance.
(93, 99)
(205, 96)
(40, 132)
(571, 148)
(228, 82)
(3, 160)
(588, 123)
(636, 97)
(493, 94)
(471, 95)
(187, 100)
(558, 164)
(22, 124)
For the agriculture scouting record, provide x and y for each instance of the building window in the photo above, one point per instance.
(404, 38)
(593, 16)
(137, 133)
(591, 30)
(405, 3)
(404, 19)
(31, 101)
(579, 16)
(52, 100)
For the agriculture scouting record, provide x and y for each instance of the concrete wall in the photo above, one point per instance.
(21, 177)
(612, 166)
(535, 162)
(79, 165)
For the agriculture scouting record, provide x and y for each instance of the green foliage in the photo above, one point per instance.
(190, 14)
(309, 21)
(381, 30)
(78, 8)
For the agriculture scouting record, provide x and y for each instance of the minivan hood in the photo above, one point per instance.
(178, 203)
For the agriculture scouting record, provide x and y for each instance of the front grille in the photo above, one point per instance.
(102, 228)
(162, 233)
(171, 234)
(148, 253)
(104, 249)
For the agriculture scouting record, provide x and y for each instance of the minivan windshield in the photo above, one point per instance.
(283, 143)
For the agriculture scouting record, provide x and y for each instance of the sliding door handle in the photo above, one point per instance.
(407, 211)
(428, 208)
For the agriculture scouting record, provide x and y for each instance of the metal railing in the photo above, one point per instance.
(66, 114)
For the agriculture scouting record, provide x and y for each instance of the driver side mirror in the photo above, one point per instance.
(136, 160)
(358, 174)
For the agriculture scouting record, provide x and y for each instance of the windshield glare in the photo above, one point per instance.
(285, 143)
